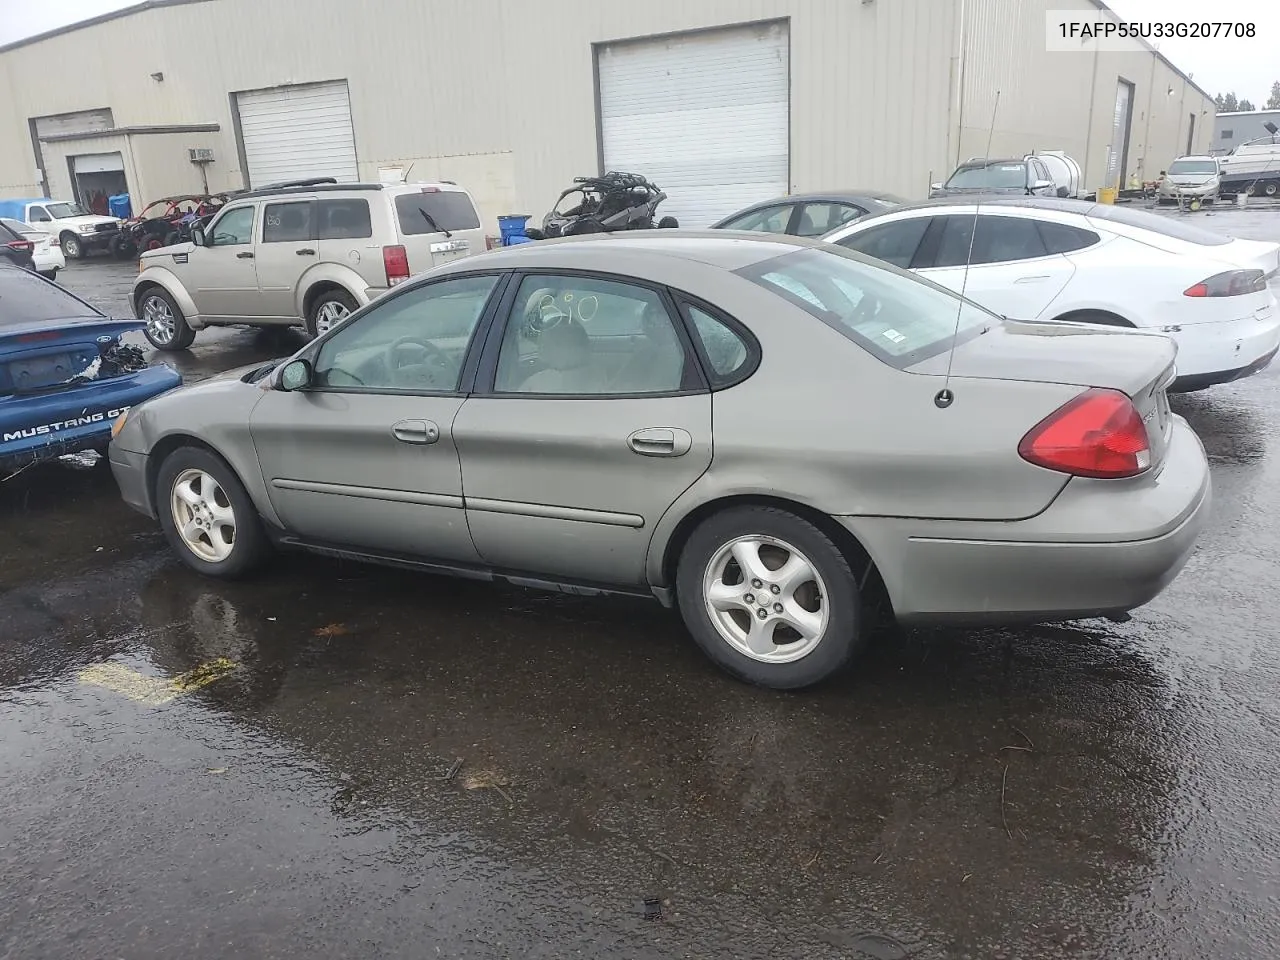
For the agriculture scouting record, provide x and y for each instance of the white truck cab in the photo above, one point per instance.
(68, 224)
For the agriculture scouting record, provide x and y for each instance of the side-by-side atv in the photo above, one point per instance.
(615, 201)
(164, 223)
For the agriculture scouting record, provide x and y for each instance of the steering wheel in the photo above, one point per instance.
(429, 351)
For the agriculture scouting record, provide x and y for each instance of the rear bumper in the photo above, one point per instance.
(1210, 353)
(46, 426)
(1053, 566)
(130, 471)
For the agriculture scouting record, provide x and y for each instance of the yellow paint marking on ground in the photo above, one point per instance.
(154, 691)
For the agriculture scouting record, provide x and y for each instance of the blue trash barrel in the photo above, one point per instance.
(512, 225)
(119, 206)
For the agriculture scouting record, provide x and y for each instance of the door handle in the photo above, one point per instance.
(244, 256)
(415, 431)
(1044, 276)
(660, 442)
(305, 252)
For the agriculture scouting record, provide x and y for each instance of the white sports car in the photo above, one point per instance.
(1043, 258)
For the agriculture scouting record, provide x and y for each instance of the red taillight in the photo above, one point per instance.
(38, 337)
(396, 262)
(1098, 434)
(24, 246)
(1231, 283)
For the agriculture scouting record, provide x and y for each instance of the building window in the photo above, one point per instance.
(1228, 134)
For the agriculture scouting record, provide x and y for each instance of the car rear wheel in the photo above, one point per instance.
(50, 274)
(71, 247)
(328, 310)
(770, 598)
(207, 516)
(166, 328)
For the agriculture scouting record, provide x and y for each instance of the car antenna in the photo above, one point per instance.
(945, 397)
(992, 129)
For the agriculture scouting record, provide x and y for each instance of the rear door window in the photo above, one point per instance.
(819, 219)
(343, 219)
(440, 212)
(286, 222)
(27, 298)
(765, 220)
(894, 243)
(999, 240)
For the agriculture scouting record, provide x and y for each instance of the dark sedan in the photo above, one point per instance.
(809, 214)
(16, 248)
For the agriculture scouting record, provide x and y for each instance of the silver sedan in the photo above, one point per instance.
(768, 433)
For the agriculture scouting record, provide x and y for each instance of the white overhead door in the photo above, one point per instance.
(98, 162)
(705, 116)
(297, 132)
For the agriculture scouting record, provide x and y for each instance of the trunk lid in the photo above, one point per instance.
(39, 358)
(1138, 363)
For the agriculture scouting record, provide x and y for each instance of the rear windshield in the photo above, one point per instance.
(438, 212)
(27, 298)
(1168, 226)
(890, 313)
(1207, 167)
(1012, 174)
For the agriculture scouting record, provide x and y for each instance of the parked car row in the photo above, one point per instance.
(44, 255)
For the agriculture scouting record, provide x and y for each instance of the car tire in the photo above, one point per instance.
(822, 597)
(329, 309)
(207, 515)
(165, 326)
(668, 223)
(71, 246)
(49, 274)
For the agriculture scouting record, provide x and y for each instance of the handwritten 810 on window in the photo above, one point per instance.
(1164, 29)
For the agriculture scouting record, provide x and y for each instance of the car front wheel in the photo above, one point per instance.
(166, 328)
(71, 247)
(770, 598)
(207, 516)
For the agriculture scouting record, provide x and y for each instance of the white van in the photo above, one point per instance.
(305, 253)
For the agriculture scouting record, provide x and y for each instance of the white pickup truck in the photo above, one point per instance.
(75, 229)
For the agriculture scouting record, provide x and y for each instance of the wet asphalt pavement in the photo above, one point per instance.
(1089, 790)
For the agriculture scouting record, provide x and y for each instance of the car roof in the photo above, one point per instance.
(989, 161)
(726, 249)
(817, 196)
(1194, 156)
(442, 185)
(1081, 208)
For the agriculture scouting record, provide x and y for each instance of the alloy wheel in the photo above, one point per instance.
(161, 325)
(203, 515)
(766, 599)
(330, 314)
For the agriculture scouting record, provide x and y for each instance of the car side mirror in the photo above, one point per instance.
(935, 186)
(1163, 173)
(295, 375)
(198, 238)
(1064, 192)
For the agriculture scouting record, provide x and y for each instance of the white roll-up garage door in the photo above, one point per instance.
(298, 132)
(98, 162)
(705, 116)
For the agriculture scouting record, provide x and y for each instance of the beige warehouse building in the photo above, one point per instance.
(721, 102)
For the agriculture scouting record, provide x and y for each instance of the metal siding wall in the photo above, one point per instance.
(1045, 101)
(497, 95)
